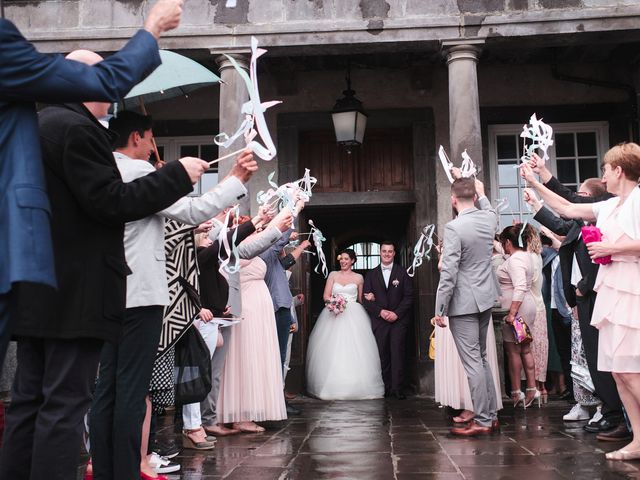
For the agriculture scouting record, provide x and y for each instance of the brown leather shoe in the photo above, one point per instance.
(618, 434)
(472, 429)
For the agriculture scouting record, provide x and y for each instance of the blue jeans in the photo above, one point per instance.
(283, 324)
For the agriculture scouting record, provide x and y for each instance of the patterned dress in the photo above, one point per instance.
(182, 276)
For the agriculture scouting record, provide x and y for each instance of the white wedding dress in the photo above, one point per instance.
(342, 357)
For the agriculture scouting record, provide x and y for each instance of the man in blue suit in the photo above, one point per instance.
(26, 77)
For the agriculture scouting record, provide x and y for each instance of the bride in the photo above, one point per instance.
(342, 358)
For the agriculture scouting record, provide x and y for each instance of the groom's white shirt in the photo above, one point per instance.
(386, 273)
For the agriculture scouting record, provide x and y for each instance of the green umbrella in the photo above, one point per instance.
(177, 76)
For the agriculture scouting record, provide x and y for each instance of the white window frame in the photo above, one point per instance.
(602, 145)
(172, 146)
(361, 263)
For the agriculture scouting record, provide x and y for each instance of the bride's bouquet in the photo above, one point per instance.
(337, 304)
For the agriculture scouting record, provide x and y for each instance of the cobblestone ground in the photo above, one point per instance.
(405, 440)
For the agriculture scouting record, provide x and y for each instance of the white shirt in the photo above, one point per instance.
(386, 273)
(554, 267)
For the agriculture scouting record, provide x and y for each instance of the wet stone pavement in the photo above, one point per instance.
(404, 440)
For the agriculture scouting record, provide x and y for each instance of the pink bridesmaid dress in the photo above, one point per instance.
(251, 385)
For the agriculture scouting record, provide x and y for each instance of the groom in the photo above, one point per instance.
(388, 298)
(466, 293)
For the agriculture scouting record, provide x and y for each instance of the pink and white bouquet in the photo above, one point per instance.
(337, 304)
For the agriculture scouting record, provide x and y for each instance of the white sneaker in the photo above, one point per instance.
(161, 464)
(578, 412)
(596, 416)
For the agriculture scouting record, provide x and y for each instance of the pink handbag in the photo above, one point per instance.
(521, 330)
(591, 233)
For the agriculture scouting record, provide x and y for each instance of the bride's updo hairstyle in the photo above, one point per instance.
(351, 253)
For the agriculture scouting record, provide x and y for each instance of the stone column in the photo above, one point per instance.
(464, 106)
(233, 93)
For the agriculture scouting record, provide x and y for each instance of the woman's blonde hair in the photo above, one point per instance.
(627, 157)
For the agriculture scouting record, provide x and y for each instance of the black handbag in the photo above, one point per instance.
(192, 372)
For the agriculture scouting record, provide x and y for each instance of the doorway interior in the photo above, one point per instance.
(343, 227)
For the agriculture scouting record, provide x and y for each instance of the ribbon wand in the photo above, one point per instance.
(237, 152)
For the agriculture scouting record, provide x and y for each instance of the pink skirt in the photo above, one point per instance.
(251, 385)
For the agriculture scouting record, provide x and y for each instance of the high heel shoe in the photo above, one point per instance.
(144, 476)
(544, 396)
(516, 397)
(537, 396)
(623, 455)
(194, 444)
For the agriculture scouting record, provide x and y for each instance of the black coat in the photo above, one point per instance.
(214, 289)
(397, 298)
(90, 205)
(572, 243)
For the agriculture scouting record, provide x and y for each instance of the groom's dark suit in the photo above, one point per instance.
(390, 336)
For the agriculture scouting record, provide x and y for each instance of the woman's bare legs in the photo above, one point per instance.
(144, 444)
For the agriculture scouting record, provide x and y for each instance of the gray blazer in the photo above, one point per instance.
(144, 239)
(249, 248)
(467, 282)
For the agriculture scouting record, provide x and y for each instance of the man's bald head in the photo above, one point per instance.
(85, 56)
(97, 109)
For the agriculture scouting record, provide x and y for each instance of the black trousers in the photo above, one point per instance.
(604, 383)
(562, 333)
(391, 339)
(118, 407)
(51, 394)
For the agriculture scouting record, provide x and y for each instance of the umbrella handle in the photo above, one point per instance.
(153, 140)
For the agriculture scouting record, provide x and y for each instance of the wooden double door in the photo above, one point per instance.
(383, 163)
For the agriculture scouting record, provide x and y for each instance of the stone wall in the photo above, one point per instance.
(324, 24)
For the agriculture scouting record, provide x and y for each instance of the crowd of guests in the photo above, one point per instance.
(247, 358)
(577, 297)
(94, 253)
(106, 251)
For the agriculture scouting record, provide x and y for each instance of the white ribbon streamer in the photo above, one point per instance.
(253, 111)
(422, 248)
(288, 194)
(230, 263)
(468, 168)
(226, 321)
(541, 136)
(317, 238)
(446, 163)
(502, 204)
(520, 241)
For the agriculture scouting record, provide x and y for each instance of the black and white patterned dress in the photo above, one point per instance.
(182, 276)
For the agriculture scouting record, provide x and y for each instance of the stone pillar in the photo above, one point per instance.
(464, 105)
(233, 93)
